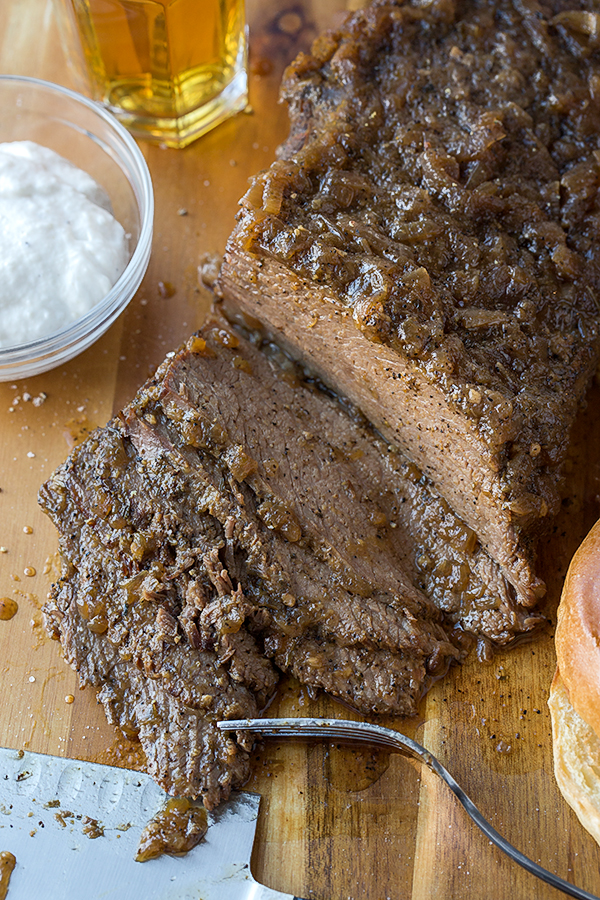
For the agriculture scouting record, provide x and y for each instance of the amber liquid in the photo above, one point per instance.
(170, 69)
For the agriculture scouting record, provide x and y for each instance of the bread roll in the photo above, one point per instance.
(575, 691)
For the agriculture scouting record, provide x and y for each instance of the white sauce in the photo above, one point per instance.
(61, 249)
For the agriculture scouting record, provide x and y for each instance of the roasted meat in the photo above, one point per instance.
(235, 520)
(428, 244)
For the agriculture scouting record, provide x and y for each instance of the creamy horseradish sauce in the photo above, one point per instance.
(61, 249)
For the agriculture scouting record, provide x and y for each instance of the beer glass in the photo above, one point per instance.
(170, 70)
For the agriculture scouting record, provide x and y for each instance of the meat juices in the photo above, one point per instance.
(428, 244)
(234, 521)
(7, 864)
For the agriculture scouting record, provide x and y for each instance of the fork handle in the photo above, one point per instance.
(365, 731)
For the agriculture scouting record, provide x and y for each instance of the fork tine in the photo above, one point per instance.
(366, 732)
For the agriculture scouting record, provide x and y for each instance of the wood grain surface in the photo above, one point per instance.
(336, 822)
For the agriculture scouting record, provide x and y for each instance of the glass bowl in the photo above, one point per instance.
(87, 135)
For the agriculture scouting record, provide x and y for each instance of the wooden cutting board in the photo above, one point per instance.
(336, 822)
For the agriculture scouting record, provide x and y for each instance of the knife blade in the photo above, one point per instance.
(45, 802)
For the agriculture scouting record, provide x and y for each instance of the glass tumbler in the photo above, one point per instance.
(169, 70)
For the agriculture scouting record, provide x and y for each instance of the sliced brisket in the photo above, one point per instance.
(232, 517)
(350, 489)
(428, 244)
(185, 753)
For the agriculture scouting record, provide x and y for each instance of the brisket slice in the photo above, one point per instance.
(184, 752)
(232, 517)
(117, 626)
(428, 244)
(349, 489)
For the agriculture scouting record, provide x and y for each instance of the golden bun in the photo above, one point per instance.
(575, 691)
(576, 748)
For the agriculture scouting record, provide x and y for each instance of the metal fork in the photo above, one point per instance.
(343, 729)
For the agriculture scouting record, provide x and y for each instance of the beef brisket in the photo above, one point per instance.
(185, 753)
(428, 243)
(234, 517)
